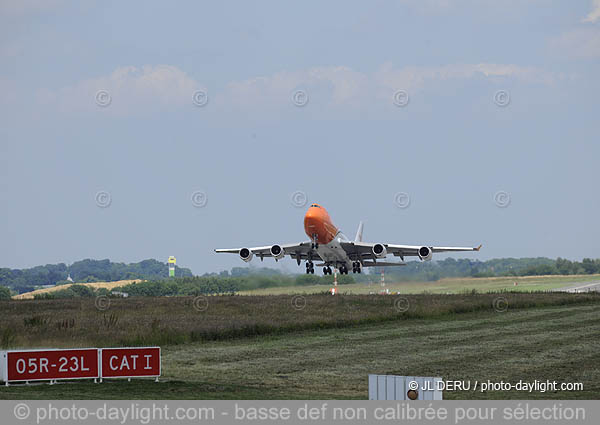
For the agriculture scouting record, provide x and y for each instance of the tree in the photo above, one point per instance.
(82, 290)
(4, 293)
(564, 266)
(589, 266)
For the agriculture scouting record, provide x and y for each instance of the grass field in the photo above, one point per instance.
(95, 285)
(264, 347)
(442, 286)
(175, 320)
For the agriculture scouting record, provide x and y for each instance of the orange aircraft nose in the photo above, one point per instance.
(318, 225)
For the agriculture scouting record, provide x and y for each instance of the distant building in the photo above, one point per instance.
(69, 278)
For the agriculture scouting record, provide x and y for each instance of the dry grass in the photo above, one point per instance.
(95, 285)
(175, 320)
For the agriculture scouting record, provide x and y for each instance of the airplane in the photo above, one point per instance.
(329, 245)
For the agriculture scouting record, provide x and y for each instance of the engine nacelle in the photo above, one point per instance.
(277, 252)
(379, 250)
(425, 253)
(246, 254)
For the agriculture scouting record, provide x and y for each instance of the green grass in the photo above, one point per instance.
(556, 343)
(443, 286)
(263, 348)
(141, 389)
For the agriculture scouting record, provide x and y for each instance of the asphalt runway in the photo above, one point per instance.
(581, 287)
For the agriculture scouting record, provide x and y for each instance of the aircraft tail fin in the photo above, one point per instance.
(359, 232)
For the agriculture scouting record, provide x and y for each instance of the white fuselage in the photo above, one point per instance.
(333, 254)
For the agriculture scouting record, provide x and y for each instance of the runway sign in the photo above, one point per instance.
(48, 365)
(130, 362)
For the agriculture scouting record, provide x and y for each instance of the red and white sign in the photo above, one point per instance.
(43, 365)
(130, 362)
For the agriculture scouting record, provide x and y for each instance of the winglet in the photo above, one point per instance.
(478, 248)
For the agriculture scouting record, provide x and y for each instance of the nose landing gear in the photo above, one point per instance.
(315, 242)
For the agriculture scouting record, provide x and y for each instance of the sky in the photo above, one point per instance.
(143, 129)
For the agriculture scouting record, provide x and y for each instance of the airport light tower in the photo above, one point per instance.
(171, 263)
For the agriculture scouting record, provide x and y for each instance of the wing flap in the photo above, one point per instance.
(381, 264)
(294, 250)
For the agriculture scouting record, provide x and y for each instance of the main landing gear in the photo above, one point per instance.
(310, 267)
(356, 268)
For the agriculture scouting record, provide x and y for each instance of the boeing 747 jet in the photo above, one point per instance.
(329, 245)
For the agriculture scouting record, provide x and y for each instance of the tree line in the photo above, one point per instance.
(25, 280)
(247, 278)
(450, 267)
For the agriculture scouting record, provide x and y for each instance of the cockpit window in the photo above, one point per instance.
(315, 205)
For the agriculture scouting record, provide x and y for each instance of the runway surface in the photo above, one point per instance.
(581, 287)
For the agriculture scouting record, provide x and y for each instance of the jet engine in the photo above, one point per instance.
(246, 254)
(277, 252)
(379, 250)
(425, 253)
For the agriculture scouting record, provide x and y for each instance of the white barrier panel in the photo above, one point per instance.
(395, 387)
(3, 376)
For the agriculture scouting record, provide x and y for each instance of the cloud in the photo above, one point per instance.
(131, 91)
(581, 43)
(340, 85)
(128, 90)
(594, 14)
(416, 78)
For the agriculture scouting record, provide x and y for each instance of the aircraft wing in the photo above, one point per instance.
(364, 250)
(298, 251)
